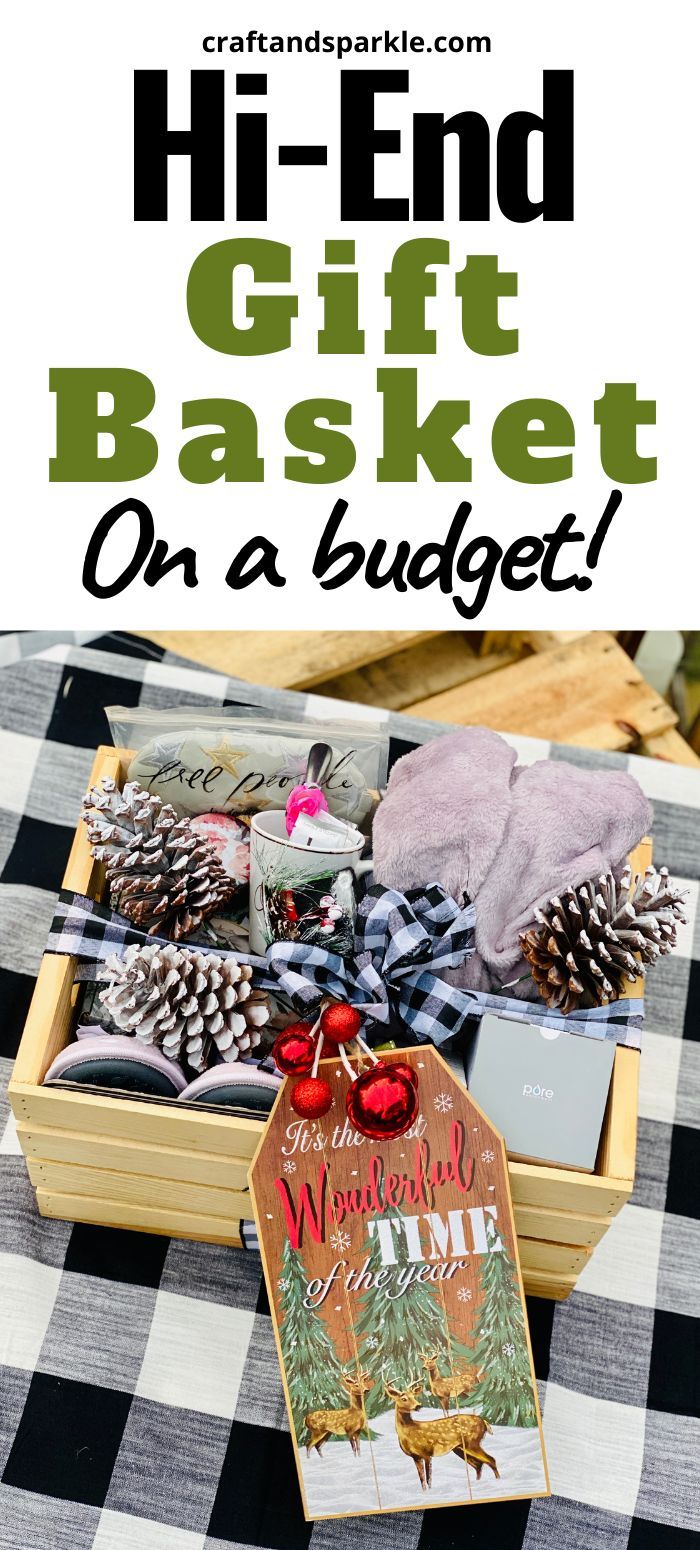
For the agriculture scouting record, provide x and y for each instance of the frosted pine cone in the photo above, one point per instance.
(161, 873)
(190, 1004)
(591, 941)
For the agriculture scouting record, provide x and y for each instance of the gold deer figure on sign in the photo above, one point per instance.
(461, 1381)
(425, 1440)
(349, 1422)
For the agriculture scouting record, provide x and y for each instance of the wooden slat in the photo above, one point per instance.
(642, 855)
(80, 1208)
(195, 1167)
(588, 692)
(618, 1142)
(167, 1125)
(425, 669)
(190, 1165)
(547, 640)
(110, 1213)
(181, 1224)
(562, 1189)
(555, 1288)
(671, 747)
(285, 659)
(490, 641)
(127, 1119)
(138, 1189)
(560, 1226)
(565, 1259)
(83, 873)
(49, 1020)
(47, 1028)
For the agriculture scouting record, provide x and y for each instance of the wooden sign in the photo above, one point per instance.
(394, 1283)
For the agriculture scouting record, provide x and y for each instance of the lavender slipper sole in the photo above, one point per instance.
(244, 1086)
(117, 1061)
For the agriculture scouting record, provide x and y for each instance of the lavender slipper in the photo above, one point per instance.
(118, 1061)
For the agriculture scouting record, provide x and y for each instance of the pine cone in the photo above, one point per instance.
(161, 874)
(593, 939)
(189, 1003)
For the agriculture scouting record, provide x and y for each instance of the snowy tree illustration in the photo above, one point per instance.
(504, 1394)
(310, 1361)
(392, 1332)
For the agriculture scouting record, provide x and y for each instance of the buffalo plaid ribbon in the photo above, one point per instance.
(403, 943)
(92, 933)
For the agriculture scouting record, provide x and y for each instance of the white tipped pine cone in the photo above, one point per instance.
(590, 941)
(191, 1004)
(161, 874)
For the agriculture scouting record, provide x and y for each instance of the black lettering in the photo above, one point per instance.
(360, 142)
(429, 133)
(102, 532)
(483, 573)
(244, 569)
(557, 128)
(203, 142)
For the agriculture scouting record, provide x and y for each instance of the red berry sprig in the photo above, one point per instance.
(311, 1097)
(340, 1023)
(381, 1103)
(294, 1049)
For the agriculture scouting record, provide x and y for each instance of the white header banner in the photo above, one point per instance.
(348, 322)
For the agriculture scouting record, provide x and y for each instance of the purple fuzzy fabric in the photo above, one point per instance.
(459, 812)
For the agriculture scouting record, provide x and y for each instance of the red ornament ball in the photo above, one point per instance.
(340, 1022)
(293, 1050)
(311, 1097)
(405, 1069)
(382, 1103)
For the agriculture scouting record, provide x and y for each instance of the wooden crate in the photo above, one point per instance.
(160, 1167)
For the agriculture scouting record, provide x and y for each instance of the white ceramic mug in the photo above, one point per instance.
(298, 894)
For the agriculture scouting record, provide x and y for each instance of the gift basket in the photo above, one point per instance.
(248, 900)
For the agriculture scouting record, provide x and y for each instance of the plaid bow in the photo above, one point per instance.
(403, 942)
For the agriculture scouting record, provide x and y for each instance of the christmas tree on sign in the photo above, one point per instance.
(504, 1394)
(310, 1361)
(394, 1333)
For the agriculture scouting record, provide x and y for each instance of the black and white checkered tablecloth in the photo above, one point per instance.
(141, 1406)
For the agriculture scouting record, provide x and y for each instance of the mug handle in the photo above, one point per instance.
(364, 866)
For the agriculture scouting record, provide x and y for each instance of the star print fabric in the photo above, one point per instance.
(234, 761)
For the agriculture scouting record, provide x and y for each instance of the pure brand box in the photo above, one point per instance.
(544, 1090)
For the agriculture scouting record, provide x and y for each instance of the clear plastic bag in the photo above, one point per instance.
(233, 760)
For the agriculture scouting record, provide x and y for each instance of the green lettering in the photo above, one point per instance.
(408, 283)
(79, 424)
(210, 295)
(618, 413)
(405, 440)
(238, 443)
(480, 284)
(336, 451)
(514, 434)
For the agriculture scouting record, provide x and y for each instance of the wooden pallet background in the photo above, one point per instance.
(565, 686)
